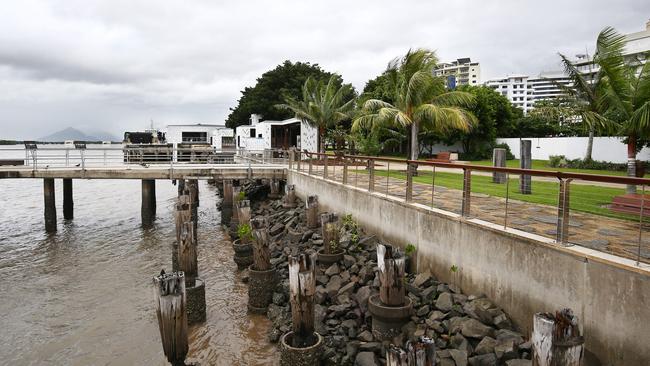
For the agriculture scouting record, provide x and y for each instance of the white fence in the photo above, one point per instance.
(611, 149)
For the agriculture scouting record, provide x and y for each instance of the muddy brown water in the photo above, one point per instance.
(83, 296)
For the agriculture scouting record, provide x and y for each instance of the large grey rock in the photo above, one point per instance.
(422, 279)
(472, 328)
(460, 357)
(519, 362)
(479, 309)
(332, 270)
(488, 359)
(485, 346)
(444, 302)
(347, 289)
(362, 296)
(333, 286)
(276, 229)
(505, 335)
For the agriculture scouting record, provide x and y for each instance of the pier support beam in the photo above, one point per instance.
(68, 204)
(50, 206)
(148, 208)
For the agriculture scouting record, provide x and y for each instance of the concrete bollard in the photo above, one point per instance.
(499, 160)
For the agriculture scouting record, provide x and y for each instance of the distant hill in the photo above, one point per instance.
(74, 134)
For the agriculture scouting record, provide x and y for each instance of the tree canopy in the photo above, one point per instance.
(285, 80)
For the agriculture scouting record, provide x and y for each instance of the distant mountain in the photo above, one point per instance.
(74, 134)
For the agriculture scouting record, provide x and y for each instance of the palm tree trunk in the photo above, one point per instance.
(415, 146)
(321, 140)
(590, 145)
(631, 162)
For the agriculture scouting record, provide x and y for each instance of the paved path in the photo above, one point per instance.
(612, 235)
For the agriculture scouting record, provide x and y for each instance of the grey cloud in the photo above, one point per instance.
(116, 63)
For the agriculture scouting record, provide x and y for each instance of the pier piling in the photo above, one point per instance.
(169, 296)
(50, 205)
(148, 208)
(68, 203)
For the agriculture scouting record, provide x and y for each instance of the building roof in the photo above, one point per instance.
(196, 125)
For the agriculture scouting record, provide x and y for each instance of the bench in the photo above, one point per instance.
(444, 157)
(631, 204)
(14, 162)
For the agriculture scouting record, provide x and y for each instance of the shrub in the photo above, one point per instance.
(503, 145)
(557, 161)
(241, 196)
(410, 249)
(244, 232)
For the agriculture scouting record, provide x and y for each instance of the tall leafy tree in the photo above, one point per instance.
(495, 115)
(286, 79)
(420, 100)
(626, 94)
(323, 105)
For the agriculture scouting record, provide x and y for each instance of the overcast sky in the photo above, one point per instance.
(114, 65)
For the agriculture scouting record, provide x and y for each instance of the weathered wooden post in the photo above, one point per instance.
(244, 212)
(148, 207)
(525, 162)
(331, 252)
(68, 203)
(262, 277)
(182, 214)
(49, 205)
(409, 181)
(188, 264)
(390, 309)
(556, 339)
(226, 202)
(181, 186)
(274, 184)
(301, 346)
(234, 220)
(419, 353)
(312, 211)
(371, 175)
(290, 196)
(169, 296)
(194, 190)
(344, 180)
(499, 160)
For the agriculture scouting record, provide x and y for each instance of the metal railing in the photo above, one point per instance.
(570, 208)
(83, 157)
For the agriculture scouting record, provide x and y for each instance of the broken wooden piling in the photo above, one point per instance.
(169, 297)
(301, 346)
(290, 196)
(312, 212)
(262, 277)
(391, 276)
(556, 339)
(49, 205)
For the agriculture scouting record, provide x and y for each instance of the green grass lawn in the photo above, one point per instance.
(584, 198)
(543, 165)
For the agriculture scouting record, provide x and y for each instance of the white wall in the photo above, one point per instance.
(218, 134)
(308, 137)
(610, 149)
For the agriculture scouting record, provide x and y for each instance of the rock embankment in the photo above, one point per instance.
(467, 329)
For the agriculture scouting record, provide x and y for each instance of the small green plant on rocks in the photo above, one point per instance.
(410, 249)
(241, 196)
(245, 233)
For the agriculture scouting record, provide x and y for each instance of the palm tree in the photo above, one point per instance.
(322, 105)
(420, 101)
(627, 93)
(583, 99)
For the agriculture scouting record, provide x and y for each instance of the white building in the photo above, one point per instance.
(292, 132)
(218, 136)
(524, 91)
(637, 46)
(460, 72)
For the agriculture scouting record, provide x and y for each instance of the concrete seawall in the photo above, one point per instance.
(521, 272)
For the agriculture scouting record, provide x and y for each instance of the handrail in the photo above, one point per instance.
(533, 172)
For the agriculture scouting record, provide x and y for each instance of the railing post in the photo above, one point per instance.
(310, 165)
(345, 172)
(299, 153)
(562, 235)
(410, 167)
(371, 175)
(325, 161)
(467, 192)
(291, 159)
